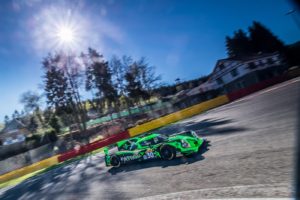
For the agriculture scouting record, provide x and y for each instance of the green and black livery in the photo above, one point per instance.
(155, 146)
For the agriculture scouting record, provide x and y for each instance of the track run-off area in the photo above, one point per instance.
(252, 154)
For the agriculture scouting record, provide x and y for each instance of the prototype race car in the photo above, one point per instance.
(156, 146)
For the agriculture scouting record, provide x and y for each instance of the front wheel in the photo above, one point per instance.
(204, 147)
(115, 161)
(167, 152)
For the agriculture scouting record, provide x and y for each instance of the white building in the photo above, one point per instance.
(231, 74)
(13, 132)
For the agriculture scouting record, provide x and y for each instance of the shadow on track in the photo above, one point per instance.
(51, 184)
(205, 127)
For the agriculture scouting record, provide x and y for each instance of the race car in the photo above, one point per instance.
(157, 146)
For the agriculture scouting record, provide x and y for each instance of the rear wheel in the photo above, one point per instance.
(115, 161)
(167, 152)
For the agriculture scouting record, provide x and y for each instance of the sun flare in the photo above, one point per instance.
(66, 35)
(57, 28)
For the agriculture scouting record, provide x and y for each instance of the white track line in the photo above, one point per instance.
(180, 195)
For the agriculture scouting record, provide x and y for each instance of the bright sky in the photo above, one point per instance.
(181, 38)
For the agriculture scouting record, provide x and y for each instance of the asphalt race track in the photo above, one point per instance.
(251, 155)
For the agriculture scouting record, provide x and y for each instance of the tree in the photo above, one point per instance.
(33, 125)
(55, 83)
(16, 115)
(6, 119)
(239, 45)
(55, 88)
(229, 47)
(134, 85)
(47, 115)
(99, 77)
(55, 124)
(61, 85)
(141, 80)
(118, 69)
(72, 68)
(260, 39)
(263, 40)
(30, 100)
(148, 78)
(118, 74)
(292, 54)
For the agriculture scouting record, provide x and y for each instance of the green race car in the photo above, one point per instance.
(155, 146)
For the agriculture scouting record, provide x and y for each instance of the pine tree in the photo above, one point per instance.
(55, 83)
(263, 40)
(239, 45)
(229, 47)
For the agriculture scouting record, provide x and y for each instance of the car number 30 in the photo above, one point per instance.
(149, 155)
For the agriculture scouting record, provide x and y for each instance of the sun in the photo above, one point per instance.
(61, 29)
(66, 35)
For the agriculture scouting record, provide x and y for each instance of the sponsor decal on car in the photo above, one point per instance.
(129, 158)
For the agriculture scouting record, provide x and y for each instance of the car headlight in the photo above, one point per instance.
(185, 144)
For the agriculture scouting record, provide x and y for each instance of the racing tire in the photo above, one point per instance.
(167, 152)
(115, 161)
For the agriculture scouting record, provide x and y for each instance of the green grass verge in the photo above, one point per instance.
(27, 176)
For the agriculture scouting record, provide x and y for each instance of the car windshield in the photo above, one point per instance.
(149, 99)
(133, 146)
